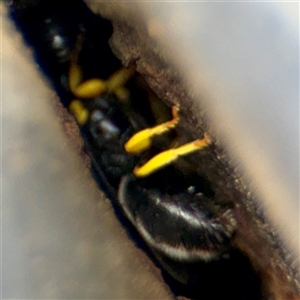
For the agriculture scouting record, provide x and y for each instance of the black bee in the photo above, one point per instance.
(165, 197)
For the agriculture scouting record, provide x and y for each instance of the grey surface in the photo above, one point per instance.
(242, 60)
(59, 236)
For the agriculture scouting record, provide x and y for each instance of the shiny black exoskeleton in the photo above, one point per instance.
(106, 131)
(172, 209)
(176, 219)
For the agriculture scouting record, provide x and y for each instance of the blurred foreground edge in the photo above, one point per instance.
(60, 238)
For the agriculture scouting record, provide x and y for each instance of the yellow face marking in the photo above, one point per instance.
(165, 158)
(79, 111)
(90, 88)
(142, 140)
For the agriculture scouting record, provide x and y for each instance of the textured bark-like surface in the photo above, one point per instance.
(256, 237)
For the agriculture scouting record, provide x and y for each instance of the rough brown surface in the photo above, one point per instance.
(255, 237)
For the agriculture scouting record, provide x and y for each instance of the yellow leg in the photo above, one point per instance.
(119, 78)
(115, 83)
(142, 140)
(79, 111)
(91, 88)
(94, 87)
(75, 77)
(165, 158)
(122, 93)
(88, 89)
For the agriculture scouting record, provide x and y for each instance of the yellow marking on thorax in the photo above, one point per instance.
(79, 111)
(142, 140)
(165, 158)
